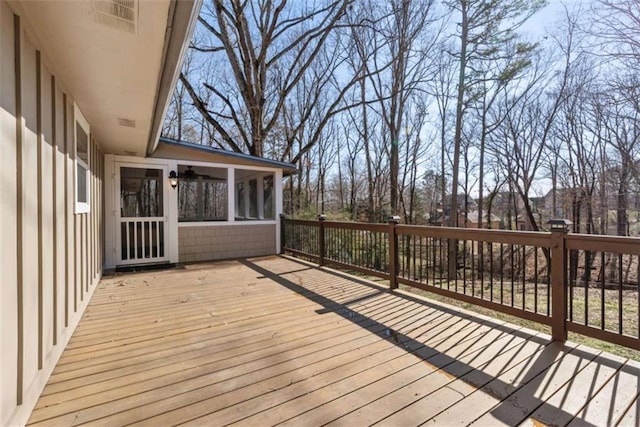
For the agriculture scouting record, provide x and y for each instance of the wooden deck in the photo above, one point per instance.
(275, 341)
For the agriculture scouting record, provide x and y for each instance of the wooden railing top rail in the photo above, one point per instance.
(364, 226)
(591, 242)
(345, 225)
(309, 222)
(531, 238)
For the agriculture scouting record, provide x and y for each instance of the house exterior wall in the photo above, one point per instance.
(50, 258)
(474, 224)
(202, 243)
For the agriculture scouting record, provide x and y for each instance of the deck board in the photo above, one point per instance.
(632, 415)
(568, 400)
(419, 395)
(516, 407)
(276, 341)
(405, 383)
(311, 393)
(611, 402)
(501, 368)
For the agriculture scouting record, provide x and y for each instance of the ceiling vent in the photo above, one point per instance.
(126, 122)
(119, 14)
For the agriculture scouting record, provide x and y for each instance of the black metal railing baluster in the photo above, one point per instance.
(620, 302)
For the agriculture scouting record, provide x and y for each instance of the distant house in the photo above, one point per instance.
(509, 208)
(441, 216)
(504, 203)
(564, 202)
(472, 220)
(88, 185)
(604, 209)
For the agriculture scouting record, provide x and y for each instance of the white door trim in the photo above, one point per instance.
(164, 220)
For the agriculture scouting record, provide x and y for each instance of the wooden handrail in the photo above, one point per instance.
(545, 256)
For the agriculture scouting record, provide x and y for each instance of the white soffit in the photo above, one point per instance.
(118, 14)
(108, 54)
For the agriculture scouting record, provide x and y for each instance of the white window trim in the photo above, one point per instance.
(262, 200)
(200, 200)
(246, 217)
(81, 207)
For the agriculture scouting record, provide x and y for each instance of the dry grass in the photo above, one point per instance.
(586, 304)
(630, 315)
(592, 303)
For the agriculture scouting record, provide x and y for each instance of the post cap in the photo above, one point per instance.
(395, 219)
(559, 224)
(322, 217)
(282, 216)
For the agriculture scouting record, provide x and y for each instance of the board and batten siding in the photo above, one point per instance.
(50, 258)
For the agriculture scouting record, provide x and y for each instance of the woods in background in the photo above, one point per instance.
(450, 112)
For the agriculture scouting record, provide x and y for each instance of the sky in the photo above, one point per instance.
(543, 22)
(548, 17)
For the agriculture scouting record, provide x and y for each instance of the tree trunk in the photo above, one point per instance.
(453, 215)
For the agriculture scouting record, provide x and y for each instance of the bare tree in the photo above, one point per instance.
(403, 53)
(269, 48)
(412, 150)
(353, 147)
(442, 90)
(485, 27)
(493, 78)
(178, 111)
(622, 133)
(616, 29)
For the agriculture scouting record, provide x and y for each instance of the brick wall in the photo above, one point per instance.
(222, 241)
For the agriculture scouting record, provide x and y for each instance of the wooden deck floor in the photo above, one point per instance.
(275, 341)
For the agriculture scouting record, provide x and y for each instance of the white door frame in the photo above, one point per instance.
(167, 241)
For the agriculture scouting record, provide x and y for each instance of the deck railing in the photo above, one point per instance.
(572, 282)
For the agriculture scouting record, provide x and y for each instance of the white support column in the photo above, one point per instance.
(277, 188)
(247, 198)
(277, 182)
(231, 194)
(111, 232)
(200, 196)
(260, 191)
(172, 245)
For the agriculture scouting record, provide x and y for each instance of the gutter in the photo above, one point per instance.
(181, 23)
(288, 168)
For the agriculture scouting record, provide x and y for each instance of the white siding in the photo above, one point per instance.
(8, 209)
(30, 252)
(50, 259)
(46, 212)
(59, 198)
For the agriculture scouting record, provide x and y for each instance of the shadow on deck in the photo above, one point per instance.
(278, 341)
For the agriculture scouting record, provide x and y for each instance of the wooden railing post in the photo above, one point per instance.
(393, 251)
(321, 249)
(282, 235)
(559, 229)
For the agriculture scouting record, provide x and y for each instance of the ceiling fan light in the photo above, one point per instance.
(190, 174)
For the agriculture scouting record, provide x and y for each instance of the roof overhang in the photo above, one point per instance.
(121, 76)
(189, 152)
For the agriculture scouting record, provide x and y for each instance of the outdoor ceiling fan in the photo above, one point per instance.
(190, 175)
